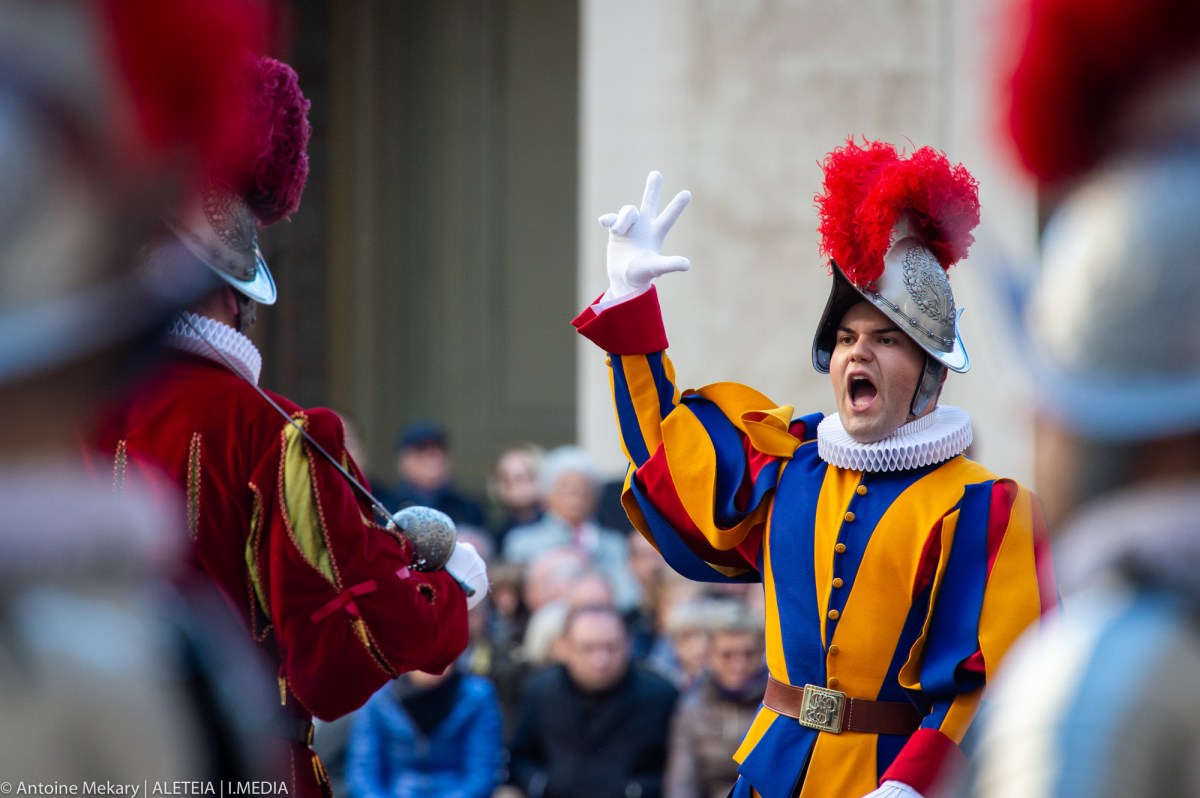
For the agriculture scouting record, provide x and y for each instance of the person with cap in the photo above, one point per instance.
(897, 572)
(277, 512)
(112, 670)
(1102, 108)
(426, 474)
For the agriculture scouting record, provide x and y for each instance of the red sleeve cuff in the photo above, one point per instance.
(633, 327)
(922, 759)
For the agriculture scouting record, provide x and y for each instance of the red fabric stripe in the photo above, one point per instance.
(655, 478)
(633, 327)
(922, 759)
(927, 564)
(1004, 494)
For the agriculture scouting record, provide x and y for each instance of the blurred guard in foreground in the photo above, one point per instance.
(111, 668)
(1105, 111)
(332, 597)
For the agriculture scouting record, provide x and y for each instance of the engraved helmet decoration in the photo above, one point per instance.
(263, 187)
(221, 231)
(891, 226)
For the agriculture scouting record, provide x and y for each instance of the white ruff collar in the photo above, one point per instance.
(930, 439)
(216, 341)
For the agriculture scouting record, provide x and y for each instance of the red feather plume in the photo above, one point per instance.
(1075, 65)
(273, 179)
(867, 188)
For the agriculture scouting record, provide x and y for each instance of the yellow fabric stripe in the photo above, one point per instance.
(842, 765)
(300, 503)
(960, 714)
(643, 392)
(250, 554)
(765, 423)
(836, 490)
(1011, 602)
(693, 466)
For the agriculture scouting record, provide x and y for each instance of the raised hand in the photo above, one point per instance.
(635, 239)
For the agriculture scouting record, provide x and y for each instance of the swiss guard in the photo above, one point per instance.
(279, 515)
(897, 570)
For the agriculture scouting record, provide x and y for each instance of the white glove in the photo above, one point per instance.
(635, 238)
(893, 789)
(469, 569)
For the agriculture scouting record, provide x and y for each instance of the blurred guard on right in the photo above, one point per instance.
(1106, 113)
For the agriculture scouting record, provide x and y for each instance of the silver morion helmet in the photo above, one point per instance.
(221, 230)
(913, 291)
(891, 227)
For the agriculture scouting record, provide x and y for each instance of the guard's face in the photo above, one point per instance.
(875, 369)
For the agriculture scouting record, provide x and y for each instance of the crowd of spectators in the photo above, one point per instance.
(592, 668)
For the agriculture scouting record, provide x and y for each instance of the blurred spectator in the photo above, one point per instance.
(550, 573)
(568, 491)
(427, 735)
(542, 645)
(594, 726)
(426, 474)
(609, 510)
(513, 491)
(681, 645)
(714, 715)
(591, 588)
(648, 569)
(479, 656)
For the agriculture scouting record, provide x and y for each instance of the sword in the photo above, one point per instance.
(431, 532)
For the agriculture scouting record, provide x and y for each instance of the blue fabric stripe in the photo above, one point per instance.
(954, 627)
(627, 418)
(675, 551)
(791, 553)
(775, 765)
(730, 454)
(665, 388)
(1106, 702)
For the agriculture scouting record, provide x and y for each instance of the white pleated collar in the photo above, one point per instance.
(216, 341)
(930, 439)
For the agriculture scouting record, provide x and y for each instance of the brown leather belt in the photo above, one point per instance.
(834, 711)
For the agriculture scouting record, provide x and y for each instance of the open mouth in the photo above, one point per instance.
(862, 392)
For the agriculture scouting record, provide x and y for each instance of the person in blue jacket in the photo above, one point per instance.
(424, 735)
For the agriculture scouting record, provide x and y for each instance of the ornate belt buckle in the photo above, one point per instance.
(822, 709)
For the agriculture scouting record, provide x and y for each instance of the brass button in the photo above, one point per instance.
(840, 548)
(833, 615)
(849, 517)
(608, 361)
(861, 490)
(833, 650)
(833, 682)
(837, 581)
